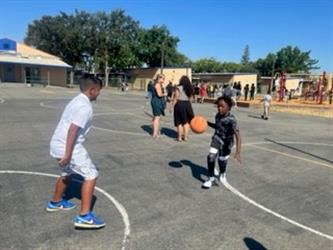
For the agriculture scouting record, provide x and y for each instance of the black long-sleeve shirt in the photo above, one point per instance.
(225, 126)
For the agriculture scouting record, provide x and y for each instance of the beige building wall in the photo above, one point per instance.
(18, 73)
(292, 83)
(174, 74)
(227, 78)
(58, 76)
(141, 77)
(215, 79)
(245, 79)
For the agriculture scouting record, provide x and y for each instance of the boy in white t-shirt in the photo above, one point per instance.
(267, 100)
(66, 147)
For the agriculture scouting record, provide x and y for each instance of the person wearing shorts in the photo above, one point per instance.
(72, 158)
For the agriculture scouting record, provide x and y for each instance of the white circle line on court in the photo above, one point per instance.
(244, 197)
(2, 100)
(121, 209)
(113, 111)
(249, 200)
(120, 131)
(42, 104)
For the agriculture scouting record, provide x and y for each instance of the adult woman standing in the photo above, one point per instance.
(183, 112)
(157, 103)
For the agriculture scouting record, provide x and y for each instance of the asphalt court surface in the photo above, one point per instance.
(287, 170)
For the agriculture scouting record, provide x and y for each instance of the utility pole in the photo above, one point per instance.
(272, 79)
(106, 71)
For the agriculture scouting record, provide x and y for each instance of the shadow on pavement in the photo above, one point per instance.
(74, 190)
(253, 244)
(197, 170)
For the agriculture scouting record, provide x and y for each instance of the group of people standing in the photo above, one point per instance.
(179, 98)
(225, 125)
(204, 90)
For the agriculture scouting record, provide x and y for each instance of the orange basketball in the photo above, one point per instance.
(199, 124)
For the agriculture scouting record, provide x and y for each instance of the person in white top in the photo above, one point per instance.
(66, 147)
(267, 100)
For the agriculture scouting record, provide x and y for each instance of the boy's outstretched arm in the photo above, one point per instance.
(70, 143)
(212, 125)
(238, 147)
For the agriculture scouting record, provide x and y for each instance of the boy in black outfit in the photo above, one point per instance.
(223, 140)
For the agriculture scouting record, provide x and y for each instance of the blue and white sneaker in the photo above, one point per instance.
(60, 205)
(89, 220)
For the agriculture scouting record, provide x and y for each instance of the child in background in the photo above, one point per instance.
(267, 100)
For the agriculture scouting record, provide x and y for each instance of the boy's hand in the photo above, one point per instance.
(64, 161)
(238, 158)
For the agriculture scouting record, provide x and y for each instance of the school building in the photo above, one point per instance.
(225, 78)
(139, 78)
(24, 64)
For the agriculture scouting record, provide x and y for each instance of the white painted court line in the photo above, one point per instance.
(249, 200)
(2, 100)
(120, 131)
(116, 203)
(112, 113)
(244, 197)
(46, 91)
(44, 105)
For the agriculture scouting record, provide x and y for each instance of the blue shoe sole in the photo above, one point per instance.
(86, 225)
(56, 209)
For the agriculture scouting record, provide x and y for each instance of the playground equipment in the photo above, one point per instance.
(282, 83)
(320, 88)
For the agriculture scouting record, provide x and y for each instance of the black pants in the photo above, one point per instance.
(218, 149)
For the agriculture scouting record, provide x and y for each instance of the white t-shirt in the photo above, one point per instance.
(79, 112)
(267, 100)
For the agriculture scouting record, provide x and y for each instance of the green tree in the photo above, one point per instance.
(157, 41)
(246, 55)
(289, 59)
(61, 35)
(208, 65)
(292, 60)
(115, 39)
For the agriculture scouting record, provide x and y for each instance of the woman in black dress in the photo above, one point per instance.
(183, 112)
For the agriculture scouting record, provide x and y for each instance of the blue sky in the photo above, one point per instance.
(206, 28)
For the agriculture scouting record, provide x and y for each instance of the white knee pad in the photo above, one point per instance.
(213, 150)
(224, 158)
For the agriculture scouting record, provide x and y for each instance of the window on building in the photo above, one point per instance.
(32, 74)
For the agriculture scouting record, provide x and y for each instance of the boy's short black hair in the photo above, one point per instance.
(226, 99)
(87, 80)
